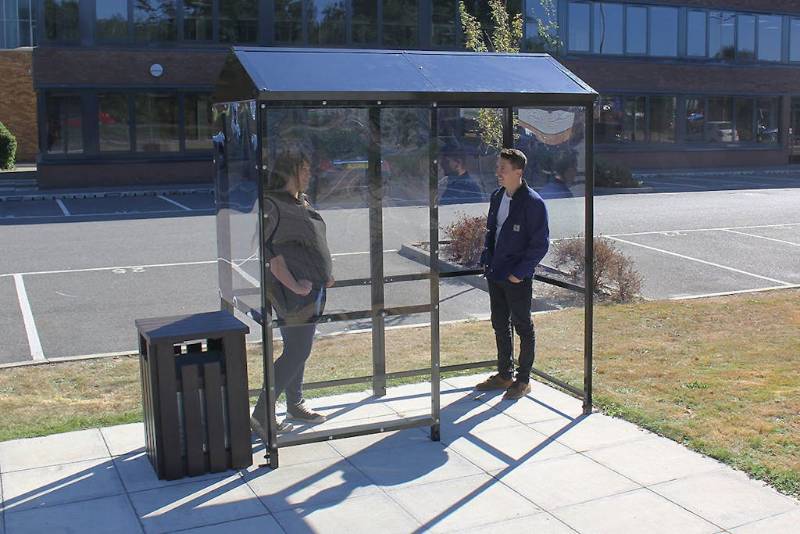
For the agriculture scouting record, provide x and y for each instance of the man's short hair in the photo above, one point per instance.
(517, 158)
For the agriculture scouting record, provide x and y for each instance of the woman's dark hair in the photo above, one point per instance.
(286, 168)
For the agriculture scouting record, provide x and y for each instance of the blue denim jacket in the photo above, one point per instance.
(523, 240)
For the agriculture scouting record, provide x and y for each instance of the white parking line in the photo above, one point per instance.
(737, 292)
(34, 342)
(678, 232)
(712, 264)
(762, 237)
(162, 197)
(63, 207)
(125, 267)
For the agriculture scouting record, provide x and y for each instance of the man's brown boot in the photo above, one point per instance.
(494, 382)
(517, 390)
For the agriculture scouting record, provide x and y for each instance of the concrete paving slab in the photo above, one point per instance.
(297, 454)
(138, 475)
(124, 439)
(19, 454)
(414, 465)
(653, 460)
(591, 432)
(726, 497)
(541, 522)
(542, 404)
(14, 347)
(636, 511)
(453, 505)
(785, 523)
(308, 485)
(506, 447)
(196, 504)
(111, 515)
(15, 209)
(367, 515)
(560, 482)
(60, 484)
(460, 418)
(253, 525)
(385, 440)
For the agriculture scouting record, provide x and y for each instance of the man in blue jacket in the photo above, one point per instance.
(517, 238)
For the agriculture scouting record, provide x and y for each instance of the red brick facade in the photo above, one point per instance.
(18, 101)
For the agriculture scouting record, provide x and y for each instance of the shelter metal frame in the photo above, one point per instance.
(374, 102)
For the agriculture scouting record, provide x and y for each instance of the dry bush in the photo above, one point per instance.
(614, 272)
(466, 237)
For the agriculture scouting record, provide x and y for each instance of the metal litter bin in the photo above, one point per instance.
(194, 393)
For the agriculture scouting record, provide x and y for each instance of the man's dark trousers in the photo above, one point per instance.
(511, 305)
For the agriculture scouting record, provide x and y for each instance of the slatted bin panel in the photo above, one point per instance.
(194, 394)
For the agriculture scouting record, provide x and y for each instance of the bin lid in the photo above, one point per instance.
(188, 327)
(294, 75)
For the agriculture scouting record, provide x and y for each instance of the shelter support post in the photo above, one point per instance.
(508, 128)
(376, 253)
(589, 259)
(222, 200)
(433, 199)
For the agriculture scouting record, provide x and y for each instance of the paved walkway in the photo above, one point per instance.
(531, 466)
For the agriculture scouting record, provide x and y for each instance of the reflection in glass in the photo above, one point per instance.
(767, 113)
(198, 22)
(721, 34)
(610, 121)
(662, 119)
(444, 23)
(695, 119)
(696, 34)
(746, 37)
(238, 21)
(155, 20)
(289, 21)
(197, 121)
(794, 40)
(112, 20)
(113, 122)
(61, 20)
(636, 30)
(578, 37)
(400, 23)
(635, 119)
(663, 31)
(64, 126)
(719, 124)
(770, 33)
(364, 22)
(326, 24)
(744, 120)
(156, 122)
(607, 28)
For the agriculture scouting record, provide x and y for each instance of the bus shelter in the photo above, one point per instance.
(385, 141)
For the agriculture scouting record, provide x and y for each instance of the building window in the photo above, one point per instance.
(794, 40)
(198, 20)
(770, 33)
(400, 23)
(64, 126)
(695, 119)
(61, 20)
(662, 119)
(154, 20)
(744, 120)
(635, 119)
(636, 30)
(17, 23)
(696, 34)
(113, 122)
(578, 35)
(112, 20)
(611, 120)
(238, 21)
(607, 28)
(767, 130)
(443, 25)
(157, 123)
(721, 34)
(746, 38)
(289, 21)
(198, 122)
(364, 21)
(663, 31)
(719, 125)
(327, 22)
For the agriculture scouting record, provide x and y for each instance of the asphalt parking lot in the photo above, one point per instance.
(76, 272)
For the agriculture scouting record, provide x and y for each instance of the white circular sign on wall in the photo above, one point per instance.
(156, 70)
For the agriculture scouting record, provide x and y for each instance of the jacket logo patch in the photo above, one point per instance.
(516, 228)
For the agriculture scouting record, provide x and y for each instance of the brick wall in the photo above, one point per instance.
(18, 101)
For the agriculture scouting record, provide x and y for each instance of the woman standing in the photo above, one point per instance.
(300, 265)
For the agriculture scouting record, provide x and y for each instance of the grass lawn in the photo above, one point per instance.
(719, 375)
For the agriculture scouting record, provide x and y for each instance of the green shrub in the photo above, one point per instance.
(610, 175)
(8, 148)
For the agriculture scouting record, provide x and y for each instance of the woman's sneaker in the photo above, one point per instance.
(302, 413)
